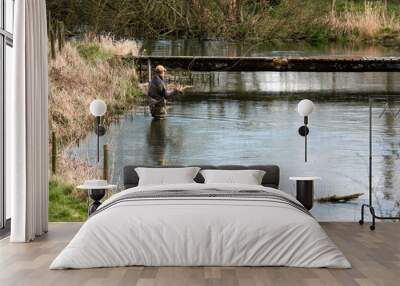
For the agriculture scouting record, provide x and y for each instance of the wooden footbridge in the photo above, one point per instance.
(281, 64)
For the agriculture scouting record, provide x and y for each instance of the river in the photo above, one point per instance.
(251, 118)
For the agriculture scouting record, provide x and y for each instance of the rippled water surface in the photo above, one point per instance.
(210, 127)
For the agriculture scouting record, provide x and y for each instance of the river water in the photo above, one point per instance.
(251, 118)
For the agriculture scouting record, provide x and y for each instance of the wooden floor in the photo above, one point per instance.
(375, 257)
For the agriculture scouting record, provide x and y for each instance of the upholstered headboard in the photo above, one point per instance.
(271, 177)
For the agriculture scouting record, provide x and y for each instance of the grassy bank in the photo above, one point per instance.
(80, 72)
(63, 205)
(314, 21)
(85, 70)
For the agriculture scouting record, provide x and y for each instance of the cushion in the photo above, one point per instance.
(165, 176)
(248, 177)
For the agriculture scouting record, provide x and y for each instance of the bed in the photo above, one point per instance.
(197, 224)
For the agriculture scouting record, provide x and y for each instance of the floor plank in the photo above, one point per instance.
(375, 257)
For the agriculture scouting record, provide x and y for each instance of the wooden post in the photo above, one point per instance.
(60, 35)
(52, 42)
(149, 68)
(53, 153)
(105, 162)
(190, 78)
(140, 73)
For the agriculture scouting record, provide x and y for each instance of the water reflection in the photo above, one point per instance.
(389, 159)
(194, 47)
(163, 142)
(157, 141)
(276, 83)
(224, 131)
(329, 84)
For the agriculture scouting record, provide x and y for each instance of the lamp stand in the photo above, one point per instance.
(369, 205)
(305, 138)
(98, 137)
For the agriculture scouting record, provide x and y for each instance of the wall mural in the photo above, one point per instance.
(221, 116)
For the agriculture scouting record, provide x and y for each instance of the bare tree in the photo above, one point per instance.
(333, 8)
(232, 12)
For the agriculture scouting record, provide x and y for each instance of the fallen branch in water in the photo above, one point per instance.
(339, 199)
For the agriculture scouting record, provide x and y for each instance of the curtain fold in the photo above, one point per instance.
(27, 119)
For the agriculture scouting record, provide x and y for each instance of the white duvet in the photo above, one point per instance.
(199, 231)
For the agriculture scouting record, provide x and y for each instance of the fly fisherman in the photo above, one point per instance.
(158, 94)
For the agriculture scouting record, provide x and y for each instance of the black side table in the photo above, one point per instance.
(305, 190)
(96, 194)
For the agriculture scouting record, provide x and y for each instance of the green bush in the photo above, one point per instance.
(318, 36)
(93, 52)
(63, 206)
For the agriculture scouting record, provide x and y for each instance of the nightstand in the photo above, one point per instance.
(96, 193)
(305, 190)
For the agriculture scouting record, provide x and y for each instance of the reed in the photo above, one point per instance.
(369, 22)
(250, 20)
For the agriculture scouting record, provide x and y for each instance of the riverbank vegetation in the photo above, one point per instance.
(79, 72)
(63, 205)
(314, 21)
(83, 71)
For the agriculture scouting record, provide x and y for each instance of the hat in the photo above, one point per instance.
(160, 69)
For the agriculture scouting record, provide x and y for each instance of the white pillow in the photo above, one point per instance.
(166, 176)
(248, 177)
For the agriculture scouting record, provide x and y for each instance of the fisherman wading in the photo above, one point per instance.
(158, 94)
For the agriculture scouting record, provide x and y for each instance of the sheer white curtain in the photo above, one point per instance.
(27, 124)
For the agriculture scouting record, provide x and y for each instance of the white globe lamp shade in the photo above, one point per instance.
(305, 107)
(98, 107)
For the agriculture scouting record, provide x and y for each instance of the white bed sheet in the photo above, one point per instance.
(200, 232)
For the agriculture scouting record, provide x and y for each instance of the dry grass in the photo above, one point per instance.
(84, 71)
(120, 48)
(75, 172)
(75, 82)
(367, 23)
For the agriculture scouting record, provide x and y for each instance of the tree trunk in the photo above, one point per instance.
(239, 16)
(333, 9)
(232, 12)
